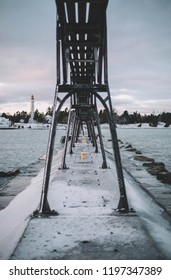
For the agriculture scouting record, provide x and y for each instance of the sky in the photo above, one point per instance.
(139, 55)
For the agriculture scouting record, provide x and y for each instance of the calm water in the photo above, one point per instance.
(154, 142)
(22, 149)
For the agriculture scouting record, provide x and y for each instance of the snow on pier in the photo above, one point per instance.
(87, 227)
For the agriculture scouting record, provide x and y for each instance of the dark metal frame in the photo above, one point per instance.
(82, 77)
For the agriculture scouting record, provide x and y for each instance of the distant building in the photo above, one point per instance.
(48, 119)
(31, 120)
(4, 123)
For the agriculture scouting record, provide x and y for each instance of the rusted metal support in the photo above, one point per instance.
(72, 145)
(63, 163)
(90, 133)
(44, 205)
(88, 129)
(77, 130)
(58, 70)
(123, 202)
(94, 135)
(81, 48)
(104, 163)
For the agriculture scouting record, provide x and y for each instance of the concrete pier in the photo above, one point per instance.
(87, 227)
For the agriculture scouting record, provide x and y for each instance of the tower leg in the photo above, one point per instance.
(73, 134)
(104, 164)
(44, 205)
(63, 164)
(123, 202)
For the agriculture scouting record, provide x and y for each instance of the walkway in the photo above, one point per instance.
(87, 226)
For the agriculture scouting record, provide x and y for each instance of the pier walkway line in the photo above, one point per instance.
(87, 226)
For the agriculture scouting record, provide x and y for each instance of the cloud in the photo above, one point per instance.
(139, 47)
(131, 100)
(27, 51)
(122, 96)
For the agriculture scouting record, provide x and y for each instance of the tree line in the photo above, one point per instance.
(124, 118)
(127, 118)
(39, 117)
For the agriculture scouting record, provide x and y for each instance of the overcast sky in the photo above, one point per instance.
(139, 44)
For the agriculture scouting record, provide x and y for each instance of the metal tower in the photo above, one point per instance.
(82, 78)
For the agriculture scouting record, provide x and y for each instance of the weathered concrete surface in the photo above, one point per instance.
(160, 192)
(103, 237)
(87, 227)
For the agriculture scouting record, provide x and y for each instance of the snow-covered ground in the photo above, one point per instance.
(136, 125)
(85, 199)
(155, 218)
(16, 216)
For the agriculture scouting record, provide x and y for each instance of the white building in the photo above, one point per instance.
(4, 123)
(31, 120)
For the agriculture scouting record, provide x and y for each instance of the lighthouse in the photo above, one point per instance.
(32, 110)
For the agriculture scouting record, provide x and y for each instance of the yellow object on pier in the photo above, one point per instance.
(83, 155)
(83, 140)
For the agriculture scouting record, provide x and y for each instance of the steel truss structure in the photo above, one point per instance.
(82, 78)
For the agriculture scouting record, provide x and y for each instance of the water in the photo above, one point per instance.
(154, 142)
(23, 149)
(20, 149)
